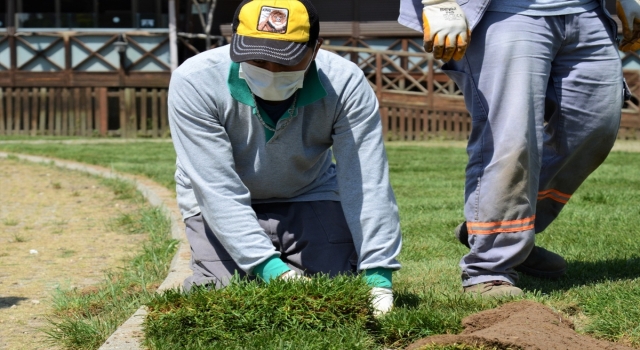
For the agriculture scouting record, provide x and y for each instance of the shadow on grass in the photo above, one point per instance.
(7, 302)
(407, 300)
(581, 273)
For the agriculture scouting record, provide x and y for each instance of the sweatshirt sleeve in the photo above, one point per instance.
(204, 151)
(411, 14)
(363, 177)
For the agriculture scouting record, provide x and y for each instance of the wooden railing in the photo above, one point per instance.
(84, 111)
(417, 100)
(84, 83)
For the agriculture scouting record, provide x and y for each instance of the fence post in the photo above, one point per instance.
(164, 116)
(103, 110)
(154, 113)
(430, 78)
(34, 111)
(123, 113)
(43, 111)
(9, 94)
(143, 112)
(17, 112)
(51, 111)
(379, 76)
(1, 112)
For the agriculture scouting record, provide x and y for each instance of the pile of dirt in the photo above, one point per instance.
(518, 325)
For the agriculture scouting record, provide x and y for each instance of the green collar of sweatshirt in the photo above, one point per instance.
(311, 91)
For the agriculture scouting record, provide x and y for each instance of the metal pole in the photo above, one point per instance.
(207, 29)
(173, 37)
(58, 14)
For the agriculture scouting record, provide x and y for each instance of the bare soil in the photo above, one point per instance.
(54, 232)
(519, 325)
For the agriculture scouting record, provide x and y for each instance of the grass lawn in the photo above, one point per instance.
(597, 233)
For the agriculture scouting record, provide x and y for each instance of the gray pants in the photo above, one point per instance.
(545, 95)
(312, 237)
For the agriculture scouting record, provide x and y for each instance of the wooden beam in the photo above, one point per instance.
(9, 94)
(154, 113)
(25, 111)
(2, 118)
(34, 111)
(123, 114)
(96, 52)
(51, 110)
(173, 41)
(43, 111)
(88, 79)
(164, 120)
(104, 110)
(143, 111)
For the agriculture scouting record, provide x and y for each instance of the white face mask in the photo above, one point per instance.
(272, 86)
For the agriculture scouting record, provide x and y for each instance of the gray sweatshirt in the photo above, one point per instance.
(227, 160)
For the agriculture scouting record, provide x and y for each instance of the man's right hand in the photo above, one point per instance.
(629, 14)
(446, 30)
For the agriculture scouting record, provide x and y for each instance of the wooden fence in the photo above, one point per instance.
(84, 111)
(417, 101)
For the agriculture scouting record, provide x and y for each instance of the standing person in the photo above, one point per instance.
(254, 124)
(542, 80)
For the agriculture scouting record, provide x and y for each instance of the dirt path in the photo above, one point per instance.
(53, 232)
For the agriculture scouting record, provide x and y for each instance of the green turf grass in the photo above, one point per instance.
(597, 233)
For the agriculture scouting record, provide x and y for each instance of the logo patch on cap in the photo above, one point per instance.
(273, 20)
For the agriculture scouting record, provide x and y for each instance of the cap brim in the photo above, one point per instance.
(245, 48)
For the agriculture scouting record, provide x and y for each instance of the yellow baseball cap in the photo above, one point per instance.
(279, 31)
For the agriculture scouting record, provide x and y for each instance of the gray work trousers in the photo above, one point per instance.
(312, 237)
(545, 96)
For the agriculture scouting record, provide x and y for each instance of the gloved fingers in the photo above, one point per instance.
(428, 46)
(438, 46)
(382, 300)
(450, 48)
(292, 275)
(428, 39)
(461, 47)
(443, 22)
(631, 37)
(433, 42)
(629, 45)
(628, 11)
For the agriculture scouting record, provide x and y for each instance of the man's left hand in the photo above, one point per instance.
(629, 14)
(293, 275)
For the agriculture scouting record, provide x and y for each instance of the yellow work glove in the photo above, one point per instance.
(446, 30)
(629, 14)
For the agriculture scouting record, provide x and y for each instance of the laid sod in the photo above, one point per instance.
(597, 233)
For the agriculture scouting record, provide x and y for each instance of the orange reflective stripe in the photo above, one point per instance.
(554, 195)
(487, 228)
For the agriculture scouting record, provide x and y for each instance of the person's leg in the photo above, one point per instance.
(504, 78)
(314, 237)
(584, 103)
(210, 262)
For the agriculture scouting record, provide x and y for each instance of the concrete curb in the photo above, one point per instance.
(129, 335)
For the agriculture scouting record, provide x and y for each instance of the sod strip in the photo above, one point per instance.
(128, 335)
